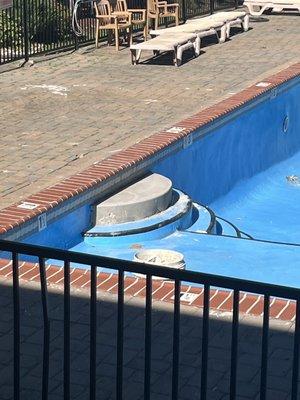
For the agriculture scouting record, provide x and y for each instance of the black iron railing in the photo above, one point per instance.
(33, 27)
(177, 276)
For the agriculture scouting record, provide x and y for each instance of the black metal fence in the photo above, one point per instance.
(177, 276)
(33, 27)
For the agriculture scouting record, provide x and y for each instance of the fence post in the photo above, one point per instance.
(211, 5)
(184, 13)
(26, 33)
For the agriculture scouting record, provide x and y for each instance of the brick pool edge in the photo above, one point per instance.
(220, 300)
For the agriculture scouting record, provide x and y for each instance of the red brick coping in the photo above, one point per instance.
(156, 145)
(220, 300)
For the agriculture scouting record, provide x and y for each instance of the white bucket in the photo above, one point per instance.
(161, 257)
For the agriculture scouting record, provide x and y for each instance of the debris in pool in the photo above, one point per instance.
(293, 179)
(136, 246)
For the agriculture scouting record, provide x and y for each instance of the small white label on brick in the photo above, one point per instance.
(187, 141)
(28, 206)
(42, 222)
(188, 297)
(176, 129)
(263, 84)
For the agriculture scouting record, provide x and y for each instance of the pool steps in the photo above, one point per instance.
(182, 215)
(145, 197)
(178, 216)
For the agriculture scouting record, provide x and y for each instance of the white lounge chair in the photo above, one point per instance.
(258, 7)
(201, 28)
(229, 18)
(175, 43)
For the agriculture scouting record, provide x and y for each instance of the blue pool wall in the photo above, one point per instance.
(239, 149)
(243, 146)
(66, 232)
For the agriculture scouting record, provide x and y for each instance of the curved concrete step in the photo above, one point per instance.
(204, 220)
(226, 228)
(144, 198)
(177, 217)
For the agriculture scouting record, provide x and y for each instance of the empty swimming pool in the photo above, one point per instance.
(234, 208)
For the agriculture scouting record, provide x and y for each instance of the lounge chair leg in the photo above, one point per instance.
(97, 34)
(134, 58)
(117, 39)
(156, 23)
(228, 26)
(197, 46)
(138, 56)
(223, 34)
(177, 18)
(178, 56)
(245, 23)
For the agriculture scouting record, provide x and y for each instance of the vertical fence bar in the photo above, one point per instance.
(148, 334)
(234, 343)
(184, 10)
(16, 302)
(46, 344)
(93, 332)
(176, 327)
(25, 30)
(66, 330)
(205, 330)
(296, 354)
(120, 335)
(211, 6)
(264, 350)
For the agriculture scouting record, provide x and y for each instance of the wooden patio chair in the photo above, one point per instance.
(161, 9)
(138, 15)
(108, 21)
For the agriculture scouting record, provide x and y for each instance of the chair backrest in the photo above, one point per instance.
(121, 6)
(152, 6)
(103, 7)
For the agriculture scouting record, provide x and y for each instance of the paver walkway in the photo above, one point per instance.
(60, 116)
(249, 349)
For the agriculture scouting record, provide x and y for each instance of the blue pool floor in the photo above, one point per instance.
(240, 258)
(267, 206)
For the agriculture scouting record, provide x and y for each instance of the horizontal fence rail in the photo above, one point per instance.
(16, 251)
(32, 27)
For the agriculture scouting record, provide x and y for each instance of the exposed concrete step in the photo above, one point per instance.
(178, 216)
(142, 199)
(204, 220)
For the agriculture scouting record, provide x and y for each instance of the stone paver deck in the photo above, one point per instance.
(61, 115)
(249, 349)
